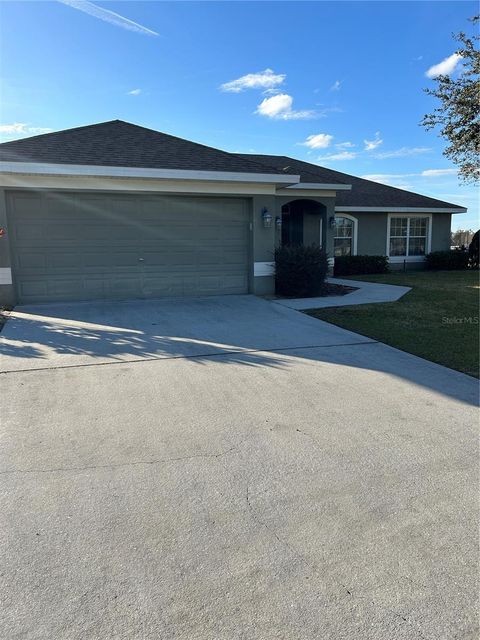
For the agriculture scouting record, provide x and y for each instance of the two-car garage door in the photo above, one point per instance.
(83, 246)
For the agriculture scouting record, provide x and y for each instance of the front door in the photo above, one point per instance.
(292, 226)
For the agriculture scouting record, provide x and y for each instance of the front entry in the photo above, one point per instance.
(302, 223)
(292, 225)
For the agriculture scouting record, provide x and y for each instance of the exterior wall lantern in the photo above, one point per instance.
(278, 222)
(267, 218)
(331, 222)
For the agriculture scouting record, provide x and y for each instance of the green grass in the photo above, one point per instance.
(437, 320)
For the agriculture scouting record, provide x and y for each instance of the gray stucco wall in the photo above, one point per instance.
(7, 292)
(441, 225)
(263, 244)
(371, 234)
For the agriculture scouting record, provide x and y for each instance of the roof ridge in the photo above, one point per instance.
(250, 164)
(49, 133)
(198, 144)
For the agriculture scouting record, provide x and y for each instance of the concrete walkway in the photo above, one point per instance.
(367, 293)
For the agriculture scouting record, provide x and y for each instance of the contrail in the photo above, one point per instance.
(108, 16)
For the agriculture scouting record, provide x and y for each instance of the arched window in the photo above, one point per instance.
(344, 236)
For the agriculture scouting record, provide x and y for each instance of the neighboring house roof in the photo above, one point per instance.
(121, 144)
(364, 193)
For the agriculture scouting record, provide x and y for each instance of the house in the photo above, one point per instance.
(115, 210)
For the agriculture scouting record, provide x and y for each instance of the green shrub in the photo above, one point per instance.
(300, 271)
(360, 265)
(447, 260)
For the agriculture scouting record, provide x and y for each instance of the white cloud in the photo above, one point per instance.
(336, 85)
(345, 145)
(370, 145)
(10, 129)
(392, 179)
(39, 130)
(403, 152)
(431, 173)
(318, 141)
(386, 178)
(134, 92)
(445, 67)
(323, 113)
(279, 107)
(266, 79)
(108, 16)
(22, 129)
(344, 155)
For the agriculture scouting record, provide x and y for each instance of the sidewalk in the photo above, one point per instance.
(367, 293)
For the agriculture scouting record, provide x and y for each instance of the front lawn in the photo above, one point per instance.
(437, 320)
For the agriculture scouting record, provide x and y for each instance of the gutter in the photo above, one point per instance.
(38, 168)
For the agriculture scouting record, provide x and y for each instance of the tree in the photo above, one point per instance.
(461, 237)
(458, 115)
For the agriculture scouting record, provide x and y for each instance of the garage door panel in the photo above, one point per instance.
(93, 246)
(32, 289)
(113, 260)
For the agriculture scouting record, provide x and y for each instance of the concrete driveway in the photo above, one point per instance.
(227, 468)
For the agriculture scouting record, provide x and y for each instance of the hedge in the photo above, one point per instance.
(300, 271)
(447, 260)
(360, 265)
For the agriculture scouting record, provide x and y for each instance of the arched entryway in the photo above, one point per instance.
(302, 222)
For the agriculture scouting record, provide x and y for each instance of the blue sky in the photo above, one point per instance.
(335, 83)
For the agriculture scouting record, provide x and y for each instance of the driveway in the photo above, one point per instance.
(227, 468)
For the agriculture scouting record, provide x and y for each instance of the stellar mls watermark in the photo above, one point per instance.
(460, 320)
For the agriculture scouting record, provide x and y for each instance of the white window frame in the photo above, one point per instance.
(428, 240)
(355, 230)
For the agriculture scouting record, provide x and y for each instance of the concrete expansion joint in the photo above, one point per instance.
(192, 356)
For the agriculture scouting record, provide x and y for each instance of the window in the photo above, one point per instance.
(343, 239)
(408, 236)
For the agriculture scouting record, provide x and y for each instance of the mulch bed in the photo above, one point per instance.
(328, 289)
(336, 289)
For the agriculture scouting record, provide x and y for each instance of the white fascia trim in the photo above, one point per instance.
(263, 269)
(321, 185)
(5, 275)
(139, 172)
(402, 209)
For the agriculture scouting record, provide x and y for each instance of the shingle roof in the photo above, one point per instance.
(121, 144)
(364, 193)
